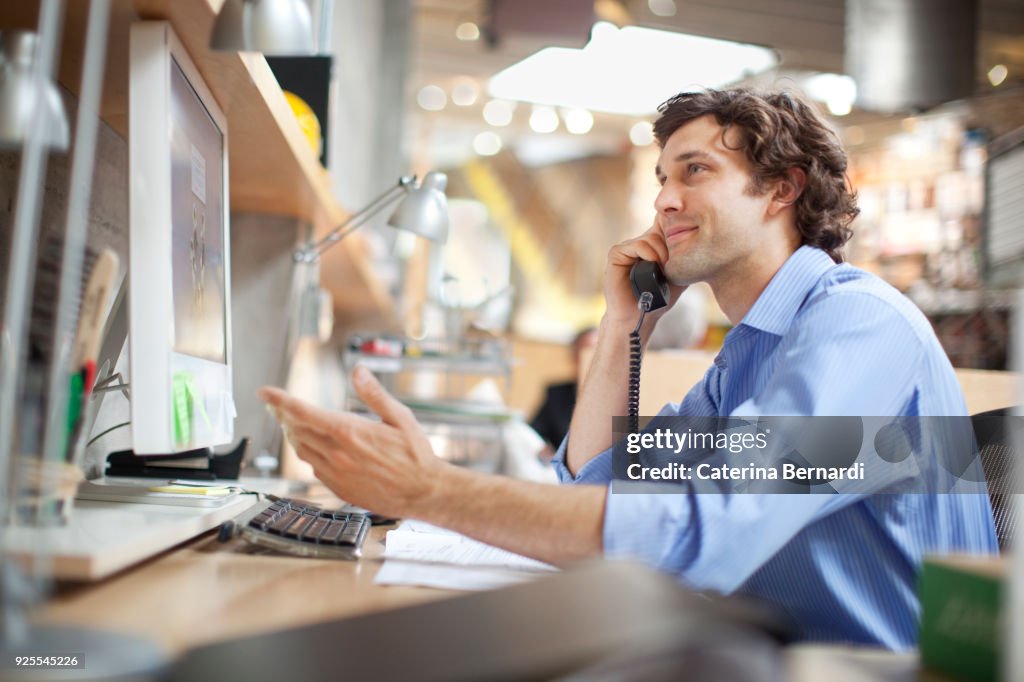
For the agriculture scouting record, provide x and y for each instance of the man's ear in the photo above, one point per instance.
(788, 190)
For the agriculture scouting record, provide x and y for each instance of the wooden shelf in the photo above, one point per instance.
(272, 168)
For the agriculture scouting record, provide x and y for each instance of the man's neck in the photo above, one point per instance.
(737, 289)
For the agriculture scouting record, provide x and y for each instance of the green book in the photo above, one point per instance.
(961, 602)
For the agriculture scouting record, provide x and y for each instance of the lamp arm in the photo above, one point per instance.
(353, 222)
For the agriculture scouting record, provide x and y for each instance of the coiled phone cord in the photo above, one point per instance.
(635, 358)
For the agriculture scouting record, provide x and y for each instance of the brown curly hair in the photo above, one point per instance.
(781, 131)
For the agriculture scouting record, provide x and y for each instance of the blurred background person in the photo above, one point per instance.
(552, 418)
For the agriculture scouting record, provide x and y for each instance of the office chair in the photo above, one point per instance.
(994, 435)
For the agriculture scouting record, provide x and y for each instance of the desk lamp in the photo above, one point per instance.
(423, 210)
(273, 27)
(21, 91)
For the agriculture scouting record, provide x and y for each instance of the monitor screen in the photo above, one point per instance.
(197, 253)
(179, 323)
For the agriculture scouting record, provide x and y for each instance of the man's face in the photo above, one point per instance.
(711, 220)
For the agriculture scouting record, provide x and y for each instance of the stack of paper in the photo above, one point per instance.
(418, 553)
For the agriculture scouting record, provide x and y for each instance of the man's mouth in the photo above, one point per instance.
(679, 233)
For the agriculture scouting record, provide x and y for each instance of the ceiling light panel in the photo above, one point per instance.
(629, 70)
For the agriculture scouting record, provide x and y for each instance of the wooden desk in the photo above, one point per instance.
(206, 590)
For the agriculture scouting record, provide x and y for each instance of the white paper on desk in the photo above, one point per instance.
(414, 526)
(420, 554)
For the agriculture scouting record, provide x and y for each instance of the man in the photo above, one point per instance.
(754, 201)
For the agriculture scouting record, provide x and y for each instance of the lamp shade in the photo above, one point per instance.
(424, 211)
(273, 27)
(20, 93)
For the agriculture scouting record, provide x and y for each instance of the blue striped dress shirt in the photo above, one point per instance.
(822, 339)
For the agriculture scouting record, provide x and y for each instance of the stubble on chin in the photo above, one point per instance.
(689, 267)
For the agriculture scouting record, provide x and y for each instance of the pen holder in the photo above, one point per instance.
(45, 491)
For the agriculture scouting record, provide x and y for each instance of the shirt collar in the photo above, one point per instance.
(775, 308)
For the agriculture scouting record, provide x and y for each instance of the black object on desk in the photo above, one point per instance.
(603, 620)
(305, 529)
(200, 465)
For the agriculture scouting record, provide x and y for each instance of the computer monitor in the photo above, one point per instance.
(179, 328)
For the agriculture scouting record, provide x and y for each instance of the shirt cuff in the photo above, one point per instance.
(597, 470)
(656, 529)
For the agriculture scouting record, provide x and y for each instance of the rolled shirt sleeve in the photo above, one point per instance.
(599, 469)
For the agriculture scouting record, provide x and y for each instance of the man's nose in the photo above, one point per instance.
(669, 200)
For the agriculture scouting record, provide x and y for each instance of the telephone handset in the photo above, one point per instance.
(646, 275)
(651, 290)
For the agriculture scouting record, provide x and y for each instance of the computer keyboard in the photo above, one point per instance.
(299, 527)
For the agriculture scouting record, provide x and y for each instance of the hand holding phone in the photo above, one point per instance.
(621, 280)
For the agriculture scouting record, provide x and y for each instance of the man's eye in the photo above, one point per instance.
(695, 168)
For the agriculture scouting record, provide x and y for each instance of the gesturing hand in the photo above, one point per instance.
(387, 467)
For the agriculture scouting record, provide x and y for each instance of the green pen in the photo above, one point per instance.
(76, 396)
